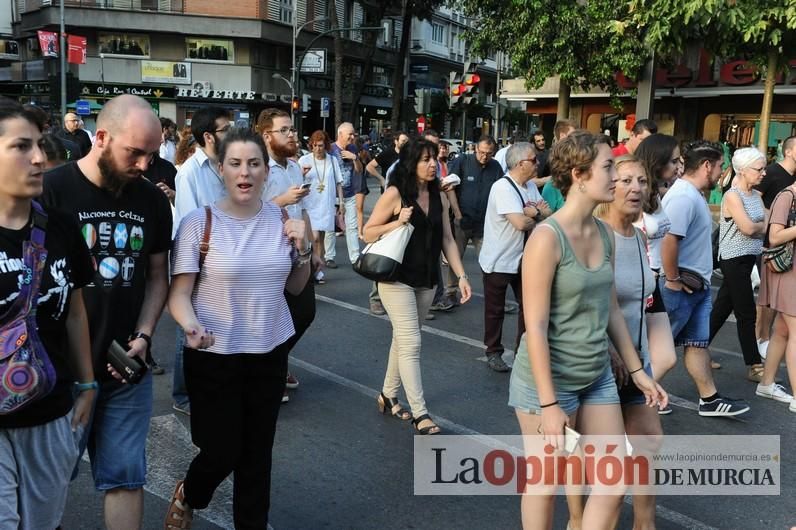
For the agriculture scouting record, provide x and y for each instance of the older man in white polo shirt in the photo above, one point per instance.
(512, 211)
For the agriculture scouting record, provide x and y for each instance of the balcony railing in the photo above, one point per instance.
(161, 6)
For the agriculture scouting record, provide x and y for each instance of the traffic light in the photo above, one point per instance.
(455, 89)
(296, 104)
(419, 100)
(471, 82)
(305, 103)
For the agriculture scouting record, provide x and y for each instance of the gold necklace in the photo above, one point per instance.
(321, 177)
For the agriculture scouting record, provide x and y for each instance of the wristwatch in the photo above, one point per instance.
(140, 335)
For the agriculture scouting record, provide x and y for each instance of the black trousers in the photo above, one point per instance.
(302, 311)
(495, 286)
(736, 295)
(235, 402)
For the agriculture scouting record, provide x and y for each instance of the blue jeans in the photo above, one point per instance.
(179, 392)
(117, 442)
(689, 315)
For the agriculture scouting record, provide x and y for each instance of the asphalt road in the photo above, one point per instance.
(340, 464)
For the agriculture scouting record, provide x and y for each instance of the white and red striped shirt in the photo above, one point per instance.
(239, 294)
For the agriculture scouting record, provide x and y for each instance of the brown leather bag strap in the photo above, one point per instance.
(204, 246)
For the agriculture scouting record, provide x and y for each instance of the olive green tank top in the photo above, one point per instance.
(577, 333)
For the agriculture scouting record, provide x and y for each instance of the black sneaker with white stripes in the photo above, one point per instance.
(722, 406)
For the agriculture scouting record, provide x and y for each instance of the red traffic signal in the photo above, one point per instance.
(458, 90)
(472, 79)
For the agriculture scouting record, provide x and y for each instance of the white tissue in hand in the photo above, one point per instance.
(452, 180)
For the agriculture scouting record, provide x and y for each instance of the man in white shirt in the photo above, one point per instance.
(284, 189)
(168, 144)
(512, 211)
(198, 184)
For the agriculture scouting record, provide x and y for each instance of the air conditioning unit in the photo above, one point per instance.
(202, 85)
(33, 45)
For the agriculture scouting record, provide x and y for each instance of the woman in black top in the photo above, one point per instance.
(413, 196)
(38, 441)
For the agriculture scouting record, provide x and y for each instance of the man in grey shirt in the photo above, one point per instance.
(687, 258)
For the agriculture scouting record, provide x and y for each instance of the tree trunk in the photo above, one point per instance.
(334, 22)
(398, 77)
(768, 99)
(564, 92)
(372, 17)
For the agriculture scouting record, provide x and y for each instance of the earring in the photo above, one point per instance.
(581, 187)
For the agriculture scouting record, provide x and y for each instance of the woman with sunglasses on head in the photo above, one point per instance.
(45, 264)
(322, 173)
(231, 303)
(413, 196)
(562, 373)
(660, 156)
(741, 228)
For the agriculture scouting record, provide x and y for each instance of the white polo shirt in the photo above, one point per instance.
(198, 184)
(501, 250)
(280, 179)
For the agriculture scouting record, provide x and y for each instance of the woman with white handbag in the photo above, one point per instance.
(413, 198)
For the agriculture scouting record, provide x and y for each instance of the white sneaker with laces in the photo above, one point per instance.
(792, 406)
(774, 391)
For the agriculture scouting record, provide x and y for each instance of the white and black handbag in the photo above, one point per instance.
(380, 260)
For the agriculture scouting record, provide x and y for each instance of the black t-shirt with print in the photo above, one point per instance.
(121, 233)
(68, 267)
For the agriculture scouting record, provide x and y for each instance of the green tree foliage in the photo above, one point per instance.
(585, 42)
(761, 31)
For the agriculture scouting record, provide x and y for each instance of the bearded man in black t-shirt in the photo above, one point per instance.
(126, 222)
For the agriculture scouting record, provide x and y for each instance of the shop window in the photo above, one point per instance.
(210, 50)
(124, 44)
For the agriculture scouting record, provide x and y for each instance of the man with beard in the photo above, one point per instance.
(197, 184)
(126, 224)
(283, 188)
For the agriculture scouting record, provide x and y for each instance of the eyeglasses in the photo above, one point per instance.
(224, 129)
(319, 145)
(287, 131)
(758, 169)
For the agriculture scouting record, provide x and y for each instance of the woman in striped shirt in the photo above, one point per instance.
(236, 321)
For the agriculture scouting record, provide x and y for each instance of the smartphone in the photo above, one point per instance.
(306, 185)
(571, 439)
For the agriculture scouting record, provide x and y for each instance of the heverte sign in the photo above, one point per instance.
(732, 73)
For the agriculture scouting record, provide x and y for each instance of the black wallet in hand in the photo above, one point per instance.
(132, 369)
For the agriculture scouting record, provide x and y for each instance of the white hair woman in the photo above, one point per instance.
(741, 228)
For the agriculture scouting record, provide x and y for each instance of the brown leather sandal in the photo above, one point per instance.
(180, 515)
(755, 373)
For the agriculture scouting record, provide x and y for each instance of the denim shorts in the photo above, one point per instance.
(117, 443)
(689, 315)
(602, 391)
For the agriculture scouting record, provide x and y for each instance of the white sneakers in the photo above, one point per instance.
(776, 392)
(762, 347)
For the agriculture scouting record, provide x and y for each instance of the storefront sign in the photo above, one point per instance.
(109, 90)
(314, 61)
(227, 95)
(166, 72)
(731, 73)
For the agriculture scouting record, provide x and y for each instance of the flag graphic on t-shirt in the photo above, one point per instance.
(136, 238)
(120, 236)
(128, 267)
(89, 234)
(109, 268)
(104, 234)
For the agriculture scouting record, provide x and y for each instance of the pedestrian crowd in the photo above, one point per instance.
(232, 229)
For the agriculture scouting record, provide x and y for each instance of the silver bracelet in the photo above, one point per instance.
(464, 277)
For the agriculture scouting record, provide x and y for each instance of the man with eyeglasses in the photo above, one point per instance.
(477, 172)
(512, 211)
(198, 184)
(283, 188)
(73, 133)
(126, 224)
